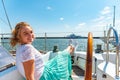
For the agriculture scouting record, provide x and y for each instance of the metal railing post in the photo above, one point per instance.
(45, 40)
(117, 49)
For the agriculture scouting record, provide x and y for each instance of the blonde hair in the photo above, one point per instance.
(15, 39)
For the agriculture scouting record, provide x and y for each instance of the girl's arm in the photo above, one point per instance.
(29, 69)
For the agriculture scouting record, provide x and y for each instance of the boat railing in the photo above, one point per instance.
(46, 37)
(117, 49)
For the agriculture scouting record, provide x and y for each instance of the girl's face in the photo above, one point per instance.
(26, 35)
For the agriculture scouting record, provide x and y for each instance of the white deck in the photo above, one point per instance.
(109, 69)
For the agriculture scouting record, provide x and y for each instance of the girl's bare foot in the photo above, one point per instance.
(70, 49)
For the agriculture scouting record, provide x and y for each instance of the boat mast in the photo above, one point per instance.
(114, 18)
(113, 21)
(6, 15)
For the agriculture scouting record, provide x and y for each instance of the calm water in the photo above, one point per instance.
(61, 43)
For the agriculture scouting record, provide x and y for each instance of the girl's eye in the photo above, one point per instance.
(25, 33)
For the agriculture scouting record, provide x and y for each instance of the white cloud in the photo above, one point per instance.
(99, 18)
(81, 25)
(105, 18)
(106, 10)
(96, 25)
(49, 8)
(67, 26)
(61, 19)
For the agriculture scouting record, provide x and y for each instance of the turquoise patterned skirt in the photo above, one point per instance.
(58, 68)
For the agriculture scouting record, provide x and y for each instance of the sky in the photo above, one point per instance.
(59, 16)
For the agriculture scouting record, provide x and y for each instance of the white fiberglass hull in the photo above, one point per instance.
(11, 74)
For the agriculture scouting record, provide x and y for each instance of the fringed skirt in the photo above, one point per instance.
(58, 68)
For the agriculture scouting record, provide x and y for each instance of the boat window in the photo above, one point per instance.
(5, 58)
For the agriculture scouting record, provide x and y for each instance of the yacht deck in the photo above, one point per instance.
(77, 73)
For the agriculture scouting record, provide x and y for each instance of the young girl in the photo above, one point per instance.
(29, 61)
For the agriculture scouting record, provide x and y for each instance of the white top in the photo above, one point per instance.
(27, 52)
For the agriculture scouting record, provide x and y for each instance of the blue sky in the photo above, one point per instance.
(60, 15)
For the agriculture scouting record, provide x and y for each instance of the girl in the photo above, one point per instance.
(29, 61)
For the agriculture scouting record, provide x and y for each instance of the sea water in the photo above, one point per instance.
(47, 45)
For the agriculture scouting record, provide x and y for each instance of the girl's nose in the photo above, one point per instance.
(30, 35)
